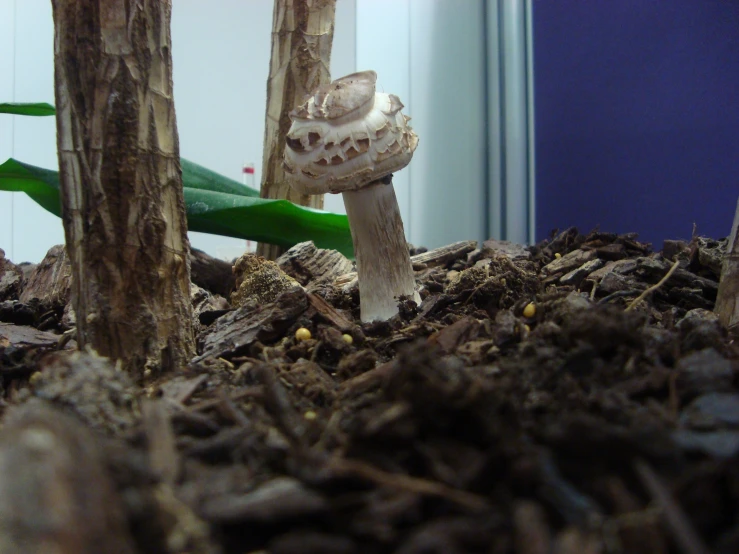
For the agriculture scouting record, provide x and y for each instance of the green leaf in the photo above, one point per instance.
(27, 108)
(198, 177)
(215, 204)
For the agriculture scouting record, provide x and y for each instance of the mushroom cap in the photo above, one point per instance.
(346, 135)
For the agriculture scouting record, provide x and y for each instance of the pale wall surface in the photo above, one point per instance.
(26, 230)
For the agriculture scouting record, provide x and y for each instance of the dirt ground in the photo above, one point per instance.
(538, 401)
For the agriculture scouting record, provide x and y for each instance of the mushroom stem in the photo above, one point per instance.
(384, 264)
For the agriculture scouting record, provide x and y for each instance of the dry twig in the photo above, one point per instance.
(686, 537)
(653, 288)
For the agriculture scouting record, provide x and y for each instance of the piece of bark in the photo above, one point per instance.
(210, 273)
(639, 528)
(512, 250)
(673, 248)
(11, 278)
(163, 458)
(615, 251)
(444, 254)
(452, 336)
(55, 492)
(703, 372)
(573, 540)
(99, 393)
(312, 266)
(179, 389)
(532, 532)
(302, 35)
(282, 498)
(51, 280)
(233, 333)
(620, 267)
(205, 305)
(366, 381)
(307, 541)
(569, 261)
(24, 337)
(709, 253)
(727, 299)
(654, 269)
(331, 314)
(432, 258)
(576, 276)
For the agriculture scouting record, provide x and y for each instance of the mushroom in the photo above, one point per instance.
(348, 138)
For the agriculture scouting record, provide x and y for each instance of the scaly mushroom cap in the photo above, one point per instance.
(346, 135)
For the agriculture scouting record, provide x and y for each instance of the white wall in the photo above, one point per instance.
(428, 52)
(6, 133)
(28, 231)
(447, 74)
(431, 53)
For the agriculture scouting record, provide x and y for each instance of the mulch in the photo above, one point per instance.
(578, 396)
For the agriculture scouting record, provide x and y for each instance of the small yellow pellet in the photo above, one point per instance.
(529, 310)
(310, 415)
(528, 329)
(347, 338)
(35, 377)
(557, 255)
(302, 334)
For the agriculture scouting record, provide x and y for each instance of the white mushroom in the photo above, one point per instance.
(348, 138)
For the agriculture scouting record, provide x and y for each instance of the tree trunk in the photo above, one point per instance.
(121, 182)
(727, 301)
(302, 34)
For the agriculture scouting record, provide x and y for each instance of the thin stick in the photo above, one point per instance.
(686, 537)
(408, 483)
(653, 288)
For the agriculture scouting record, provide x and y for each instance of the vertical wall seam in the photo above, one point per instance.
(409, 192)
(502, 142)
(12, 127)
(531, 120)
(486, 192)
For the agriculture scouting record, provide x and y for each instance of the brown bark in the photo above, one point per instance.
(727, 300)
(121, 181)
(56, 494)
(302, 34)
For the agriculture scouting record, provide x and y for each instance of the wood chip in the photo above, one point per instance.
(233, 333)
(22, 336)
(163, 457)
(569, 261)
(51, 280)
(331, 314)
(312, 266)
(432, 258)
(55, 492)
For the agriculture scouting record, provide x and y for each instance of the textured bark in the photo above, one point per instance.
(56, 495)
(121, 181)
(302, 34)
(727, 300)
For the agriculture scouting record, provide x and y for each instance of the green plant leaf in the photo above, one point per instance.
(215, 204)
(27, 108)
(198, 177)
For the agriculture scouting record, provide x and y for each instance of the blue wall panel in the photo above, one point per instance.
(637, 116)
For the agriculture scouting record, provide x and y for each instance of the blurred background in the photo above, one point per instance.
(532, 114)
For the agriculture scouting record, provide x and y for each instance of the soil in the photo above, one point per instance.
(539, 400)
